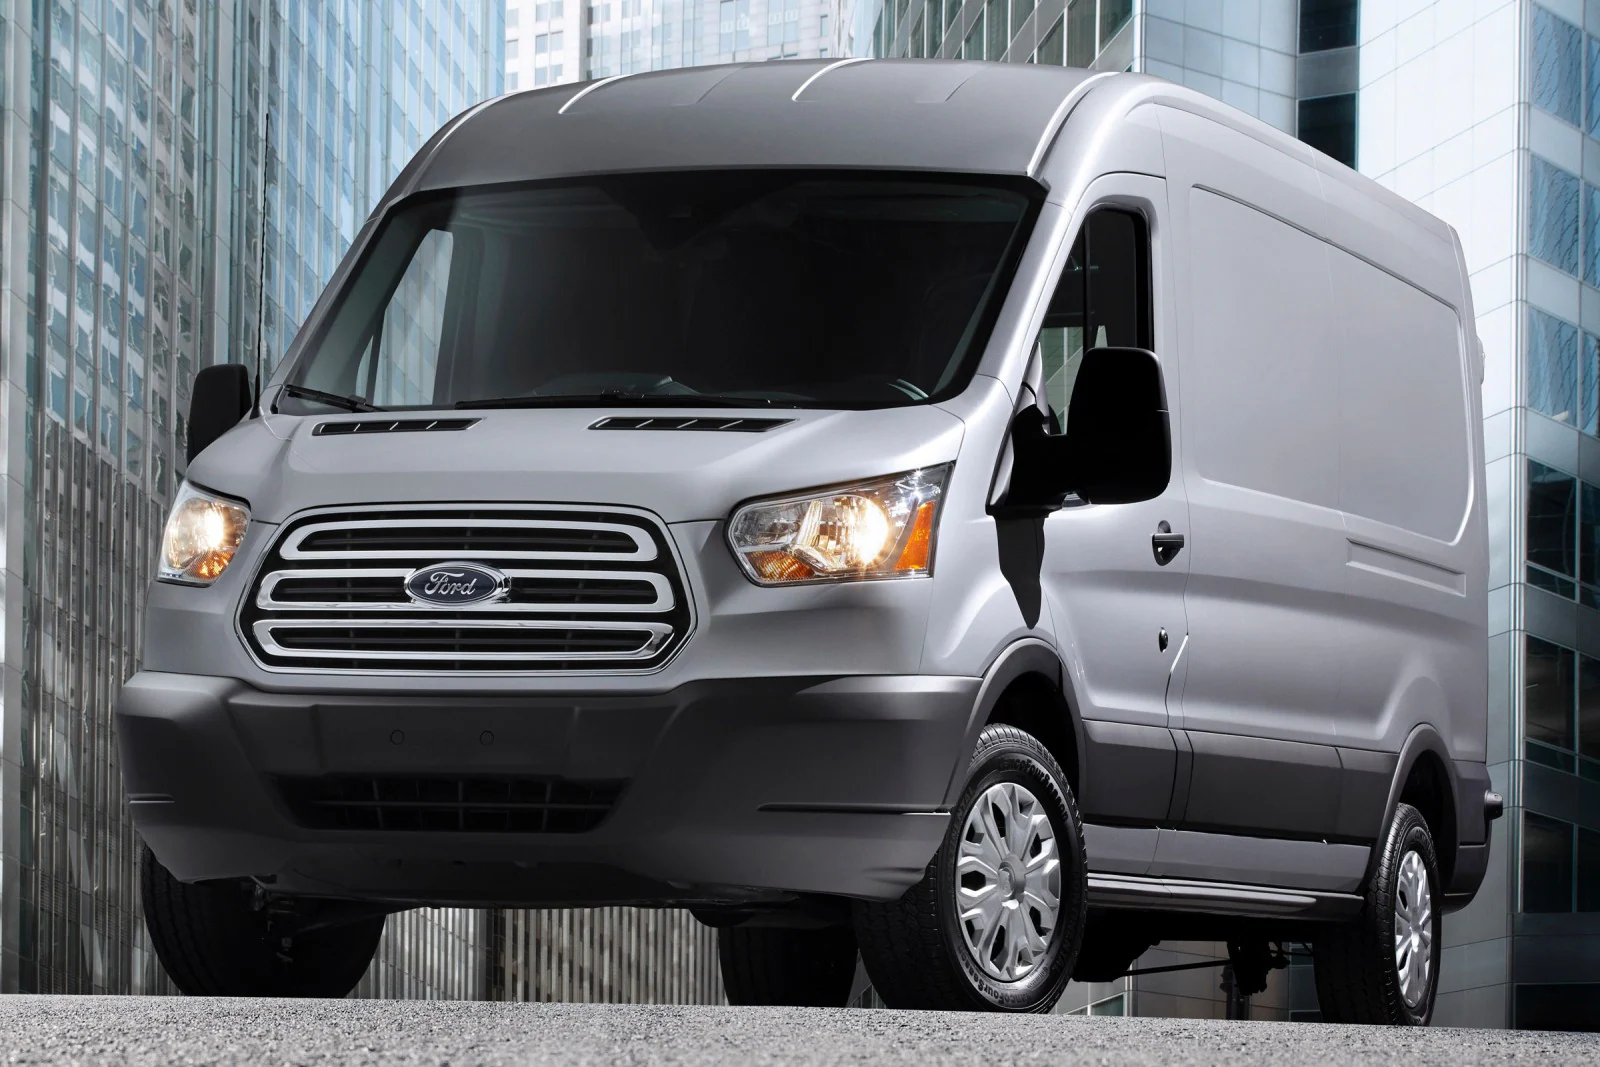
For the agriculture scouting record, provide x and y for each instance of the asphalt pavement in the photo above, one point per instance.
(180, 1031)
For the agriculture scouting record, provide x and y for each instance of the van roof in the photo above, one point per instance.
(943, 116)
(935, 115)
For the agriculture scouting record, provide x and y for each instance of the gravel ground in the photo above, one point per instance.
(161, 1030)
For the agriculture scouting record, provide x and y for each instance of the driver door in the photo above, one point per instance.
(1114, 574)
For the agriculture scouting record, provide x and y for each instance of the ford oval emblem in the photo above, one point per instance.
(454, 585)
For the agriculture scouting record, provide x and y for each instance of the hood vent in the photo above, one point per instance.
(366, 426)
(691, 422)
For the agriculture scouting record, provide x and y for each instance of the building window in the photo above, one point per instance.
(1020, 10)
(1573, 1006)
(1114, 14)
(1546, 864)
(1549, 678)
(1557, 65)
(1050, 49)
(1563, 372)
(972, 47)
(995, 19)
(1080, 33)
(1326, 24)
(1553, 216)
(1328, 124)
(1552, 529)
(1561, 708)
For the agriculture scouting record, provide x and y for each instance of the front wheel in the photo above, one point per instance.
(215, 940)
(997, 919)
(1383, 968)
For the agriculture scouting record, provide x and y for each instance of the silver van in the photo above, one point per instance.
(981, 520)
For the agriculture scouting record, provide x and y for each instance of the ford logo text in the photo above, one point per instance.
(451, 585)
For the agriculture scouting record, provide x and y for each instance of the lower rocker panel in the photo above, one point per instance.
(1217, 898)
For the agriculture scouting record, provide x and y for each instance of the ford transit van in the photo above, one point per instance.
(978, 520)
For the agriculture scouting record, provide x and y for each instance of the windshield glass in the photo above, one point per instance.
(748, 288)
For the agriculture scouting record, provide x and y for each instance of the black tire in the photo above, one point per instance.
(1358, 979)
(214, 942)
(793, 968)
(915, 949)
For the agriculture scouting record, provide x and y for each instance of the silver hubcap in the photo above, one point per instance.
(1008, 882)
(1413, 929)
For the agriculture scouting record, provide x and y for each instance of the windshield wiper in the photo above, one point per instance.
(616, 397)
(333, 400)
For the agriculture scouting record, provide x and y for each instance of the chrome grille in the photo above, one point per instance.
(587, 589)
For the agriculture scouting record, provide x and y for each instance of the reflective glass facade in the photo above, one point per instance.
(1545, 424)
(1488, 115)
(132, 135)
(549, 42)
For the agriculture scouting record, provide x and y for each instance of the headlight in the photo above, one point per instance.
(203, 532)
(879, 529)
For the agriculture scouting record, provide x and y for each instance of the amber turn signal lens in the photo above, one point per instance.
(919, 544)
(778, 567)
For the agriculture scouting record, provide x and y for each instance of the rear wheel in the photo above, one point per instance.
(216, 939)
(997, 919)
(793, 968)
(1383, 968)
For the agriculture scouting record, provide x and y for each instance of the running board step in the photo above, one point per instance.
(1217, 898)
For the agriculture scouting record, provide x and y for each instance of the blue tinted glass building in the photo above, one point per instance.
(132, 140)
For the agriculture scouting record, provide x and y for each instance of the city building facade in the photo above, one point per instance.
(132, 139)
(550, 42)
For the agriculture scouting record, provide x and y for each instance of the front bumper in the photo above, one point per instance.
(733, 789)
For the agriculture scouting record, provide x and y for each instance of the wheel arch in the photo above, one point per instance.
(1028, 687)
(1425, 778)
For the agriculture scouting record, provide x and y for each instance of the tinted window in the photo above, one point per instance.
(1589, 715)
(1557, 65)
(761, 287)
(1552, 366)
(1548, 682)
(1553, 216)
(1101, 300)
(1328, 124)
(1574, 1006)
(1326, 24)
(1050, 49)
(998, 28)
(1080, 33)
(1552, 520)
(1114, 14)
(1546, 864)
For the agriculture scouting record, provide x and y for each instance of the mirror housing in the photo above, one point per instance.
(219, 401)
(1117, 448)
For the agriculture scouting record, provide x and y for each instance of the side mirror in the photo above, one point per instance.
(1117, 447)
(219, 400)
(1117, 430)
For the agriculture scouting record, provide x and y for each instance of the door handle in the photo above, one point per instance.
(1165, 544)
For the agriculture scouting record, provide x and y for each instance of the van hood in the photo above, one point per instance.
(280, 465)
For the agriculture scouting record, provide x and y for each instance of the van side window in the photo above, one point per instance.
(1102, 299)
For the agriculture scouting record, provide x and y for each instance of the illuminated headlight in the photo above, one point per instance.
(879, 529)
(203, 532)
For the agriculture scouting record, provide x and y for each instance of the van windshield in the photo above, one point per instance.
(746, 288)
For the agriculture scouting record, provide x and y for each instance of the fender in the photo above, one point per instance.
(1423, 738)
(1030, 655)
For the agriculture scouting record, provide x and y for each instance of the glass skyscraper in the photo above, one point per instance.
(132, 134)
(554, 41)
